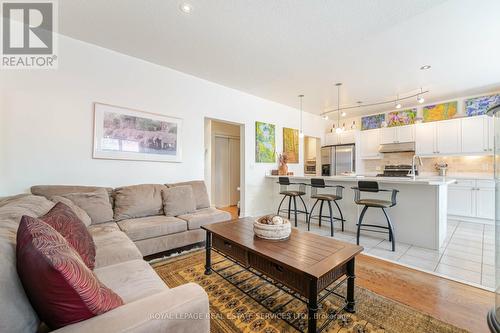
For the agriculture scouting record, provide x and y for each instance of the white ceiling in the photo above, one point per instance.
(279, 49)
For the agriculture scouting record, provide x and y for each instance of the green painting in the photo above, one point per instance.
(265, 143)
(291, 144)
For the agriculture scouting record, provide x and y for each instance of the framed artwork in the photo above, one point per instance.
(291, 144)
(479, 105)
(371, 122)
(401, 118)
(265, 143)
(126, 134)
(441, 111)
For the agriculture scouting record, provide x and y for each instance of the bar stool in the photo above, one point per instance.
(370, 186)
(292, 194)
(318, 183)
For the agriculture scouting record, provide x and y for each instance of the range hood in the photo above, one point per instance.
(397, 147)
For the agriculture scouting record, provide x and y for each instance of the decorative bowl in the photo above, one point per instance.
(272, 227)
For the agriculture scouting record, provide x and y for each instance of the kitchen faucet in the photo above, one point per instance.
(413, 170)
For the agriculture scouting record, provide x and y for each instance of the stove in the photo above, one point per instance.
(400, 170)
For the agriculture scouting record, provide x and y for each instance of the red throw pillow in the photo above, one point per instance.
(61, 288)
(62, 218)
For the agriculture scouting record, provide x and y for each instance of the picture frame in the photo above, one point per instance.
(126, 134)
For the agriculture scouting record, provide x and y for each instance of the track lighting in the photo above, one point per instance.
(398, 105)
(325, 117)
(343, 114)
(420, 99)
(301, 133)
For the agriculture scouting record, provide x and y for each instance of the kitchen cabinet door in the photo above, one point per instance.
(474, 135)
(485, 203)
(347, 137)
(405, 133)
(448, 139)
(491, 134)
(460, 201)
(331, 139)
(425, 134)
(388, 135)
(369, 142)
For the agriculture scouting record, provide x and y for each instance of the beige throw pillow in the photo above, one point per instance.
(80, 213)
(178, 200)
(95, 204)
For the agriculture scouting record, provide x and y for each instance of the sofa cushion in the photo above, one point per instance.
(96, 204)
(199, 191)
(59, 285)
(82, 215)
(138, 201)
(131, 280)
(17, 314)
(152, 226)
(205, 216)
(112, 245)
(64, 220)
(178, 200)
(49, 191)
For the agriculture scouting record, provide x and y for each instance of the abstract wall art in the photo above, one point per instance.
(479, 105)
(441, 111)
(401, 118)
(291, 144)
(265, 143)
(372, 122)
(126, 134)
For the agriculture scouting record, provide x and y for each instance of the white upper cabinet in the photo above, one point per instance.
(425, 135)
(491, 133)
(347, 137)
(331, 139)
(405, 133)
(369, 142)
(388, 135)
(448, 137)
(475, 135)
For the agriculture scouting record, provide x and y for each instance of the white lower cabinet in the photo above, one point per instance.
(472, 199)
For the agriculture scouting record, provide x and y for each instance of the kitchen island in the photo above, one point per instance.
(419, 218)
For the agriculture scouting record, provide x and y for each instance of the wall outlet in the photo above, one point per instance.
(378, 168)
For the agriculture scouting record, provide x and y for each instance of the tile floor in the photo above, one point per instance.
(467, 255)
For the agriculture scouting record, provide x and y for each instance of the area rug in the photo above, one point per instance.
(234, 311)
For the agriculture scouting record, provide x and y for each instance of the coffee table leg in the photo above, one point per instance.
(350, 307)
(208, 249)
(312, 307)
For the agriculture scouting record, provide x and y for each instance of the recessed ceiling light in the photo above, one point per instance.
(186, 8)
(425, 67)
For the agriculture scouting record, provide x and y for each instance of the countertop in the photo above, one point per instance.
(420, 180)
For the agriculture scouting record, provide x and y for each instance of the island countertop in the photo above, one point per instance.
(435, 181)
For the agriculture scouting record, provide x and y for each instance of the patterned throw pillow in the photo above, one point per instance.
(61, 289)
(62, 218)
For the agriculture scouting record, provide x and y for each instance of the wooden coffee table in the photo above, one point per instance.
(306, 263)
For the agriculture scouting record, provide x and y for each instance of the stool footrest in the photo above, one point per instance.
(326, 217)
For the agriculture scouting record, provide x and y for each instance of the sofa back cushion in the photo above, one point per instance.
(82, 215)
(59, 285)
(199, 191)
(49, 191)
(96, 204)
(66, 222)
(178, 200)
(16, 312)
(138, 201)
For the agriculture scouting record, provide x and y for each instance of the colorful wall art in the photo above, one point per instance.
(265, 143)
(291, 144)
(479, 105)
(441, 111)
(401, 118)
(371, 122)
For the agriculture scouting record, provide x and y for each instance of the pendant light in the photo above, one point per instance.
(338, 129)
(301, 133)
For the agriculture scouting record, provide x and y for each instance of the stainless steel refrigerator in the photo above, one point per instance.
(338, 159)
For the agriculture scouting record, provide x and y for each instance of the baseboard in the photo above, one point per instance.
(471, 219)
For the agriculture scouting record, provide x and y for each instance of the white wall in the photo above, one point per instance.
(47, 121)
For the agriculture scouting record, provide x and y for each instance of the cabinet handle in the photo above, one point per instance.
(278, 268)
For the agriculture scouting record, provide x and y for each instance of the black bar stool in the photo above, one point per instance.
(292, 194)
(369, 186)
(318, 183)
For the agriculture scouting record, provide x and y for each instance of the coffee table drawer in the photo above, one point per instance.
(231, 249)
(280, 274)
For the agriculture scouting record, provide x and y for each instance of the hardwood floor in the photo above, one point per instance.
(231, 209)
(452, 302)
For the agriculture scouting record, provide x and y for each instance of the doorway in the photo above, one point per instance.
(226, 166)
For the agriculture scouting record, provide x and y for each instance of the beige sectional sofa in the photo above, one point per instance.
(150, 306)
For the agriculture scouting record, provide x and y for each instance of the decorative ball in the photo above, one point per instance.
(277, 220)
